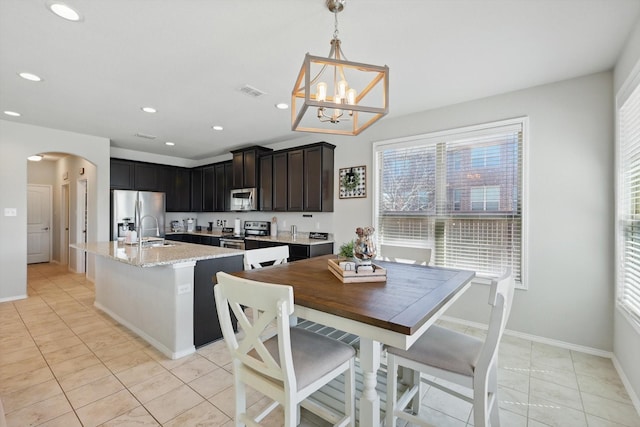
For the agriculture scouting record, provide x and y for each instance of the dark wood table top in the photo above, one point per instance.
(410, 296)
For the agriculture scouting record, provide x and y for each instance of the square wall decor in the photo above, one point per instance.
(353, 182)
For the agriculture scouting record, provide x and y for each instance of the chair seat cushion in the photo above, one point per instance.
(445, 349)
(314, 355)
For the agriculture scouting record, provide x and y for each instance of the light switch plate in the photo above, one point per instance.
(184, 289)
(10, 212)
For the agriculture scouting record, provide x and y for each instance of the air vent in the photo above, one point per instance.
(251, 91)
(145, 136)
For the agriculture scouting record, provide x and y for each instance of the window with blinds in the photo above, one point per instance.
(628, 211)
(459, 193)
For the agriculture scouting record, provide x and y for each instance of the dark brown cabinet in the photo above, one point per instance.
(177, 188)
(265, 190)
(147, 177)
(295, 184)
(223, 177)
(208, 188)
(121, 174)
(245, 166)
(296, 251)
(196, 190)
(280, 174)
(318, 178)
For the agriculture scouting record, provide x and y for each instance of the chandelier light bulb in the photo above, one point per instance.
(321, 91)
(342, 88)
(351, 96)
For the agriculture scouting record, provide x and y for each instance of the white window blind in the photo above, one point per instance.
(628, 236)
(458, 193)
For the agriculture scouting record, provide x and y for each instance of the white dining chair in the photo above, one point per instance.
(255, 258)
(405, 254)
(455, 358)
(288, 366)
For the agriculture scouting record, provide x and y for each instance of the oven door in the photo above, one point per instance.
(232, 244)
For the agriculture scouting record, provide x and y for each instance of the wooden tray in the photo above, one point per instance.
(350, 276)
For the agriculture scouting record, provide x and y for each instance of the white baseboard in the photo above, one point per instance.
(158, 345)
(14, 298)
(627, 384)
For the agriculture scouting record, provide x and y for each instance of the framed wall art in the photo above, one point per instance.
(353, 182)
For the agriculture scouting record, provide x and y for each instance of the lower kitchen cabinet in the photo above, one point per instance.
(206, 326)
(296, 251)
(194, 238)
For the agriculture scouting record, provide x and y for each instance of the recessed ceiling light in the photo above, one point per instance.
(282, 106)
(148, 109)
(12, 113)
(31, 77)
(64, 11)
(170, 143)
(216, 127)
(35, 158)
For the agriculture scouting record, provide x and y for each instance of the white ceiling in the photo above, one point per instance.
(188, 58)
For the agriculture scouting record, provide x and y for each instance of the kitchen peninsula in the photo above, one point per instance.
(164, 294)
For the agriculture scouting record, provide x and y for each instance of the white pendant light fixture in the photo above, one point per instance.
(337, 96)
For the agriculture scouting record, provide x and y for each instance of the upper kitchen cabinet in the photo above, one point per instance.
(299, 179)
(224, 179)
(147, 177)
(318, 177)
(196, 189)
(121, 174)
(178, 188)
(295, 177)
(310, 178)
(265, 189)
(208, 188)
(245, 166)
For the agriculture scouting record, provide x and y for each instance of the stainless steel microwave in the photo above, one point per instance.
(243, 199)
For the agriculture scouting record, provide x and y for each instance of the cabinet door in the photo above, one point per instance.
(265, 191)
(313, 179)
(228, 179)
(121, 174)
(250, 168)
(208, 188)
(318, 179)
(182, 193)
(295, 180)
(146, 177)
(221, 193)
(196, 190)
(280, 183)
(238, 170)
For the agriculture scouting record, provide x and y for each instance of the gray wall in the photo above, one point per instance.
(17, 142)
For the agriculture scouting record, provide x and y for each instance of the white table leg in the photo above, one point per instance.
(370, 400)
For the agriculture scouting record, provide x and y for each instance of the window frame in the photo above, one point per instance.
(457, 133)
(631, 84)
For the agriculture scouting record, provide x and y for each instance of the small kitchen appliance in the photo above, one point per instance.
(190, 225)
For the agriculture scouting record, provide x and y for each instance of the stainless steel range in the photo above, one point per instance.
(251, 228)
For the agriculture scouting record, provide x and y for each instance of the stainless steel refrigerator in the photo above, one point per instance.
(124, 213)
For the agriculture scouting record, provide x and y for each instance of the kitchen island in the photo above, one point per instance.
(164, 294)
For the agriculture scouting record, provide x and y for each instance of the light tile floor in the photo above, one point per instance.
(64, 363)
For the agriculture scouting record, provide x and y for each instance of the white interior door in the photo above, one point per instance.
(64, 250)
(38, 223)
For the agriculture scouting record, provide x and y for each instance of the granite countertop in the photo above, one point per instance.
(174, 253)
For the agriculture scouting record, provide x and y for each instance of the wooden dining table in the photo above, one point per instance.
(394, 312)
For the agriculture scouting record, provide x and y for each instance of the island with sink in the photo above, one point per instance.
(162, 291)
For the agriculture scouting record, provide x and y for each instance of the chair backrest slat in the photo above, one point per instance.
(500, 298)
(405, 254)
(270, 303)
(255, 258)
